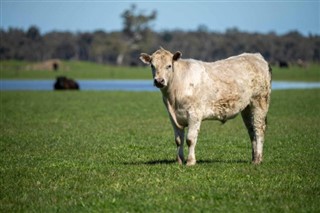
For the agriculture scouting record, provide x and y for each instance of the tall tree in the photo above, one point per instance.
(135, 24)
(136, 27)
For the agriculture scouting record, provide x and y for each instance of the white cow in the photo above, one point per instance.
(194, 90)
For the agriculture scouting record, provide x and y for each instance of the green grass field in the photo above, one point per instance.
(73, 69)
(114, 152)
(88, 70)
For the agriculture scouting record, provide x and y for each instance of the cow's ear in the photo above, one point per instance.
(176, 56)
(145, 58)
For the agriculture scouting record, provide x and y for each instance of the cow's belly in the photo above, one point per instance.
(226, 108)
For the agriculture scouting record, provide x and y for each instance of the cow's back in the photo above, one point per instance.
(247, 72)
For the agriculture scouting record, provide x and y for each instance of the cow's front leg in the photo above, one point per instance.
(193, 131)
(179, 139)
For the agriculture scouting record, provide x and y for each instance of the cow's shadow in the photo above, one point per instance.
(221, 161)
(151, 162)
(201, 161)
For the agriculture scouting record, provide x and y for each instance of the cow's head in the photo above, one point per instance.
(161, 62)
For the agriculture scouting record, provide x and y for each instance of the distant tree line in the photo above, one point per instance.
(123, 47)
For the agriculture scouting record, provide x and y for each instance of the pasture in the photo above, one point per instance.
(73, 69)
(114, 152)
(89, 70)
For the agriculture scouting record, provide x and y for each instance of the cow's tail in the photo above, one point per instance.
(270, 76)
(270, 71)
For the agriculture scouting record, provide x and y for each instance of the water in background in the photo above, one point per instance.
(125, 85)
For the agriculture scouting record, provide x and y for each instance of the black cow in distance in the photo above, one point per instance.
(64, 83)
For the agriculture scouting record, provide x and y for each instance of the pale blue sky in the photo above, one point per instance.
(251, 16)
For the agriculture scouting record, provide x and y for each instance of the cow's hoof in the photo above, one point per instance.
(180, 160)
(257, 160)
(191, 162)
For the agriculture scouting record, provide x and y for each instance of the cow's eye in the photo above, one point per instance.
(152, 67)
(169, 66)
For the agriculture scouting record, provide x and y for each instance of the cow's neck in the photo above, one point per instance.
(168, 94)
(171, 110)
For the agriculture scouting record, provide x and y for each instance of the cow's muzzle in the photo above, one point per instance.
(159, 82)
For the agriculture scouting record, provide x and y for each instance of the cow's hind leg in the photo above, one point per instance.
(254, 117)
(192, 136)
(179, 139)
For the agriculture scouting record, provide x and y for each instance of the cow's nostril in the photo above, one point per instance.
(159, 82)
